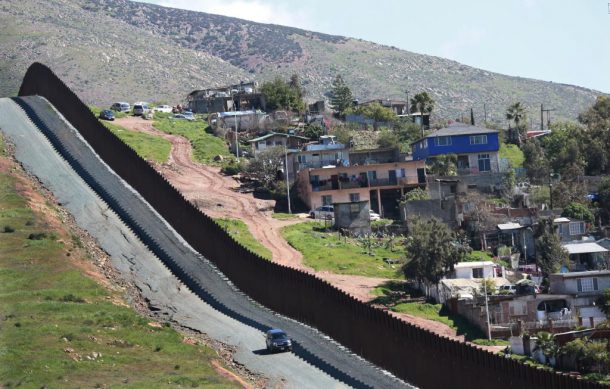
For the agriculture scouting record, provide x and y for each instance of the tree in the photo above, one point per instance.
(295, 85)
(416, 194)
(535, 162)
(603, 302)
(340, 96)
(550, 255)
(603, 191)
(545, 343)
(266, 166)
(376, 112)
(388, 138)
(432, 251)
(578, 211)
(516, 113)
(424, 104)
(313, 131)
(570, 189)
(444, 165)
(589, 355)
(280, 95)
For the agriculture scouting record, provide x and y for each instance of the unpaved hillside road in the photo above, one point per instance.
(215, 194)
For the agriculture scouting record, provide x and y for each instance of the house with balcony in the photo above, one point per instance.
(477, 148)
(381, 184)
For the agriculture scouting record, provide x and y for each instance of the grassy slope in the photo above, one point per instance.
(327, 251)
(205, 146)
(147, 146)
(239, 231)
(52, 317)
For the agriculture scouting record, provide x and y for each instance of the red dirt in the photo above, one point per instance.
(215, 195)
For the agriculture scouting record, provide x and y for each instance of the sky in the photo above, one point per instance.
(564, 41)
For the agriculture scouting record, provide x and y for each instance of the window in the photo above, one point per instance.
(587, 284)
(484, 163)
(443, 141)
(577, 228)
(327, 200)
(302, 158)
(477, 272)
(478, 139)
(353, 197)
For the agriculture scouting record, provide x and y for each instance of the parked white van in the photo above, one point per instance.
(140, 109)
(121, 106)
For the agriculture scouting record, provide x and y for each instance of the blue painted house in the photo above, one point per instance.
(476, 148)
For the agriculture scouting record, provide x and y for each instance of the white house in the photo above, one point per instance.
(474, 270)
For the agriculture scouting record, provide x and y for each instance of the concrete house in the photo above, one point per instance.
(237, 97)
(476, 148)
(381, 184)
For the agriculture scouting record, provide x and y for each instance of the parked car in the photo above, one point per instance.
(507, 289)
(184, 116)
(140, 109)
(277, 339)
(323, 212)
(163, 108)
(373, 216)
(106, 114)
(121, 106)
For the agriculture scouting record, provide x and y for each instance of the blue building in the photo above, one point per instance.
(476, 148)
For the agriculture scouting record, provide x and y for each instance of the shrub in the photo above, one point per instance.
(8, 229)
(37, 236)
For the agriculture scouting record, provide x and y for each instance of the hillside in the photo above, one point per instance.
(371, 70)
(106, 49)
(100, 58)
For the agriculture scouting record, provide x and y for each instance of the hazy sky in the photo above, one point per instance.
(566, 41)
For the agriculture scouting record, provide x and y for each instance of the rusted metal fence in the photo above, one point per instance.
(412, 353)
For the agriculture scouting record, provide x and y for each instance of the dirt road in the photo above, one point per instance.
(215, 194)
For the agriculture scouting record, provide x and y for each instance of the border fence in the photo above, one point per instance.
(409, 352)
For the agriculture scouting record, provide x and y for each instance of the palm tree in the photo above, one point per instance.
(516, 113)
(546, 344)
(422, 103)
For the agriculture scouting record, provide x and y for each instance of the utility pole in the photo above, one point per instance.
(287, 179)
(487, 308)
(548, 117)
(236, 127)
(485, 111)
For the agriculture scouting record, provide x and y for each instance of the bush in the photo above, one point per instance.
(37, 236)
(8, 229)
(232, 167)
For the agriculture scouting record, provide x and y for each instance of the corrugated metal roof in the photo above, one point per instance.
(583, 248)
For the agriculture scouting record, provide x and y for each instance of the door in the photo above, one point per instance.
(392, 177)
(335, 181)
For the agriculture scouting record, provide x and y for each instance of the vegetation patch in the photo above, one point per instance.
(205, 146)
(149, 147)
(240, 232)
(330, 251)
(61, 329)
(513, 153)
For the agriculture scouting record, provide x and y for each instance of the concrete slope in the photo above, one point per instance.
(140, 242)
